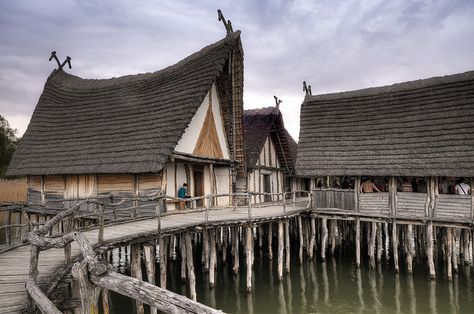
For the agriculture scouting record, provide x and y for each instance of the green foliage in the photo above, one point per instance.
(8, 141)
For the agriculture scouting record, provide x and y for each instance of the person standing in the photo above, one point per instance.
(368, 186)
(462, 188)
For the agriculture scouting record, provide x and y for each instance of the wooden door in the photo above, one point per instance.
(267, 187)
(198, 179)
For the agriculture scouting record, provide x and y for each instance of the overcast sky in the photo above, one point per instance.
(333, 45)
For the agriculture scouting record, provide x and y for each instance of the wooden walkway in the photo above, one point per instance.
(14, 264)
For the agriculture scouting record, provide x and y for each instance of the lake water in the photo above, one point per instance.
(336, 286)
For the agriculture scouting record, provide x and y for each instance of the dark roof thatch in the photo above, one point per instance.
(268, 122)
(128, 124)
(419, 128)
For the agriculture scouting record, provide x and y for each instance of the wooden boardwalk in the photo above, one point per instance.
(14, 264)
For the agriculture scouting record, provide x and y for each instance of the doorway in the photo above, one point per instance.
(267, 187)
(198, 179)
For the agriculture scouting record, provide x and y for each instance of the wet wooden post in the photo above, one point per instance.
(260, 236)
(183, 257)
(449, 252)
(163, 261)
(455, 246)
(287, 246)
(205, 249)
(410, 249)
(373, 233)
(312, 241)
(379, 242)
(429, 249)
(395, 246)
(225, 239)
(270, 240)
(357, 240)
(248, 256)
(190, 267)
(149, 255)
(136, 271)
(235, 249)
(332, 224)
(280, 251)
(324, 238)
(213, 259)
(300, 239)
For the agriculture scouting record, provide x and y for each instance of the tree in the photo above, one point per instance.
(8, 141)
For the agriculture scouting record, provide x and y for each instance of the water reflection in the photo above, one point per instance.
(336, 286)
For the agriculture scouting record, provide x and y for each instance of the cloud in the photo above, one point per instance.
(334, 45)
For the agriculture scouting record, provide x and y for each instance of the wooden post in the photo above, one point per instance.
(235, 249)
(225, 239)
(270, 240)
(379, 242)
(205, 249)
(449, 252)
(248, 255)
(300, 238)
(213, 259)
(429, 249)
(324, 237)
(190, 267)
(136, 270)
(183, 257)
(250, 207)
(287, 246)
(163, 261)
(395, 245)
(373, 233)
(455, 246)
(280, 251)
(88, 291)
(260, 236)
(357, 241)
(8, 230)
(357, 193)
(410, 249)
(332, 224)
(101, 224)
(33, 274)
(312, 240)
(105, 292)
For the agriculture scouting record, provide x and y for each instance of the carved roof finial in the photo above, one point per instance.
(277, 102)
(60, 66)
(227, 23)
(307, 88)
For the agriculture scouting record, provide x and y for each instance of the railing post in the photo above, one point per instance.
(33, 274)
(234, 202)
(8, 230)
(284, 202)
(250, 206)
(357, 193)
(158, 212)
(208, 206)
(293, 199)
(101, 224)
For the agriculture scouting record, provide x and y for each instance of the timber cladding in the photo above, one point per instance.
(129, 124)
(418, 128)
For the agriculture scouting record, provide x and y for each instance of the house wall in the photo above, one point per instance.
(188, 141)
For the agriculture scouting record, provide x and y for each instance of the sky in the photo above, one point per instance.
(333, 45)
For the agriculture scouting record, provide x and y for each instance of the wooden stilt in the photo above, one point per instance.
(332, 224)
(270, 240)
(300, 238)
(357, 241)
(260, 236)
(235, 249)
(395, 246)
(205, 249)
(190, 267)
(454, 254)
(429, 249)
(449, 252)
(149, 254)
(373, 233)
(280, 251)
(287, 246)
(88, 291)
(379, 242)
(225, 239)
(183, 257)
(312, 241)
(324, 238)
(410, 248)
(136, 271)
(213, 259)
(249, 249)
(163, 262)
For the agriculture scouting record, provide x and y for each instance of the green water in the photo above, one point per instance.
(336, 286)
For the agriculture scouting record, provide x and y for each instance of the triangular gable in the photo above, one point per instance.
(205, 136)
(208, 144)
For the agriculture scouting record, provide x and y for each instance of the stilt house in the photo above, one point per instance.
(139, 134)
(419, 132)
(270, 153)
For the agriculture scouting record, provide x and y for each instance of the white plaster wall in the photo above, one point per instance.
(222, 182)
(188, 141)
(170, 179)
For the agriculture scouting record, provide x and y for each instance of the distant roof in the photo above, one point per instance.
(268, 122)
(418, 128)
(128, 124)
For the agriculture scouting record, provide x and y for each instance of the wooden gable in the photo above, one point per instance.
(208, 144)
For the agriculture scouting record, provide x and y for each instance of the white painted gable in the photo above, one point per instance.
(268, 155)
(189, 139)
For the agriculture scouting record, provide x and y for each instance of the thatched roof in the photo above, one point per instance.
(268, 122)
(128, 124)
(418, 128)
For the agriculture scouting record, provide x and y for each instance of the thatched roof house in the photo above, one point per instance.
(116, 131)
(418, 128)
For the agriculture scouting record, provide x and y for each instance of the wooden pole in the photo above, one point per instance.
(455, 246)
(373, 233)
(163, 261)
(324, 237)
(260, 236)
(213, 259)
(190, 267)
(248, 255)
(449, 252)
(225, 239)
(8, 230)
(205, 249)
(395, 246)
(287, 246)
(429, 249)
(410, 249)
(136, 271)
(105, 292)
(312, 241)
(235, 249)
(357, 241)
(88, 291)
(379, 242)
(300, 238)
(183, 257)
(270, 240)
(280, 251)
(332, 224)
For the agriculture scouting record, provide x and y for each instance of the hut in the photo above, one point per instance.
(420, 132)
(139, 134)
(270, 153)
